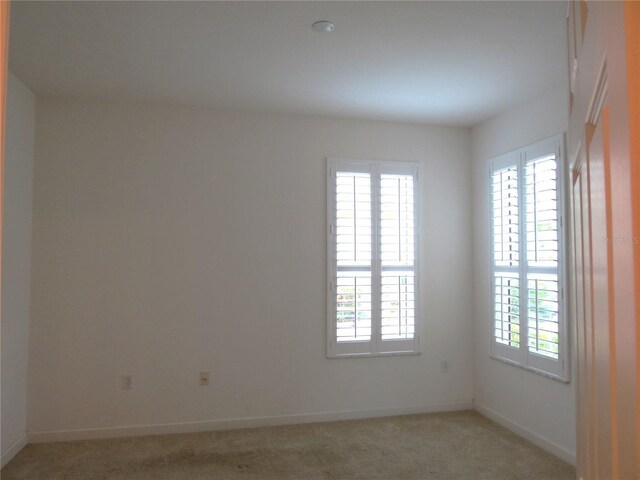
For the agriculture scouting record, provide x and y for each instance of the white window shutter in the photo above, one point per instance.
(506, 254)
(529, 320)
(397, 256)
(372, 258)
(541, 207)
(353, 234)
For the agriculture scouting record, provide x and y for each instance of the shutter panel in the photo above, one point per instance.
(541, 204)
(397, 256)
(541, 207)
(542, 317)
(505, 217)
(353, 256)
(507, 309)
(353, 306)
(506, 255)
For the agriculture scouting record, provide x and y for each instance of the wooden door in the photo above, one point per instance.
(606, 216)
(4, 55)
(582, 307)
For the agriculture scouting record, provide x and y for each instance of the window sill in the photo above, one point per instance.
(333, 356)
(542, 373)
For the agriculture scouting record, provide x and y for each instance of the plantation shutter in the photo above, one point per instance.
(372, 258)
(397, 243)
(528, 324)
(353, 254)
(505, 207)
(542, 217)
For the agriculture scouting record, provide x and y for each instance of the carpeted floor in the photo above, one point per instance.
(441, 446)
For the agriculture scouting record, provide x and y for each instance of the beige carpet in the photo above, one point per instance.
(458, 445)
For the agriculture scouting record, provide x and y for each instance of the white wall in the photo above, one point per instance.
(169, 241)
(16, 264)
(540, 408)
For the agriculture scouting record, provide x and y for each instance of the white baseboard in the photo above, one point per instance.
(539, 440)
(236, 423)
(13, 450)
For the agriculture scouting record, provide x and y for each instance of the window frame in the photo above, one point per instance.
(375, 347)
(557, 369)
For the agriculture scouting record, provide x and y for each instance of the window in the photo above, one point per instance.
(529, 321)
(372, 258)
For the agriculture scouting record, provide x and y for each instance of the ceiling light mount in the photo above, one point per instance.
(323, 26)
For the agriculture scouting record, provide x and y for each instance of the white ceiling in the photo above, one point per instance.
(453, 63)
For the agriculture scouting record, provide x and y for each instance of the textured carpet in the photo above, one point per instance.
(441, 446)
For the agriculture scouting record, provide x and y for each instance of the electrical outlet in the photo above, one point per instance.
(127, 382)
(204, 378)
(444, 367)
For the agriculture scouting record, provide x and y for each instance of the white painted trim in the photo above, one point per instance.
(599, 94)
(536, 439)
(237, 423)
(13, 450)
